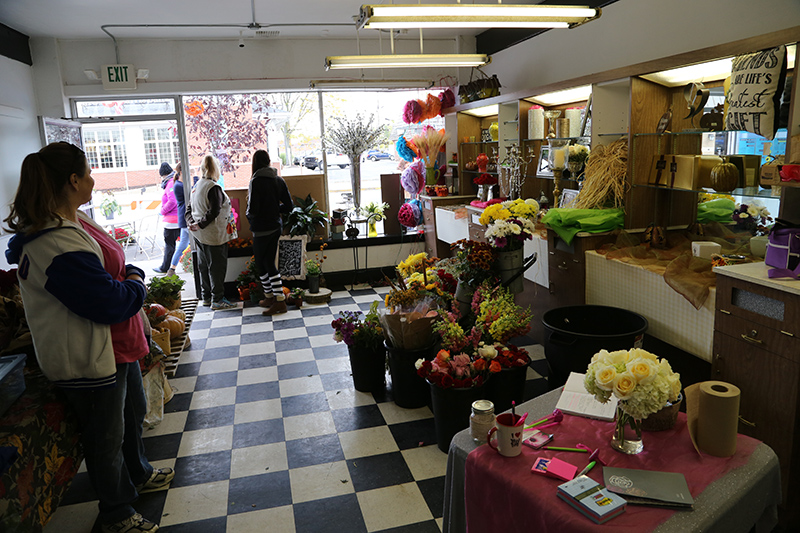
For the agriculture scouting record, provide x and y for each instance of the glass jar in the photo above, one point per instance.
(481, 421)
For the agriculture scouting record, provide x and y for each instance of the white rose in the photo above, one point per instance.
(644, 370)
(602, 355)
(605, 376)
(418, 364)
(618, 357)
(487, 352)
(744, 215)
(644, 354)
(624, 385)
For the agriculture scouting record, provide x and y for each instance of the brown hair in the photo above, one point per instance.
(43, 176)
(209, 168)
(260, 160)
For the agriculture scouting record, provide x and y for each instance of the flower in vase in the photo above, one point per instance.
(354, 330)
(578, 153)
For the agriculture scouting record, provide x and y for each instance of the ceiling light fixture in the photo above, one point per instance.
(567, 96)
(405, 61)
(91, 74)
(371, 84)
(376, 17)
(142, 73)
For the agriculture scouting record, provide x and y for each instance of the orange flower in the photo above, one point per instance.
(494, 367)
(443, 356)
(479, 365)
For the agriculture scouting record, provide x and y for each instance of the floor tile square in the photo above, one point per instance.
(225, 352)
(414, 434)
(213, 398)
(256, 327)
(179, 402)
(293, 333)
(76, 518)
(219, 366)
(426, 462)
(279, 519)
(336, 364)
(297, 386)
(341, 399)
(215, 381)
(187, 369)
(196, 502)
(322, 322)
(258, 459)
(190, 356)
(257, 392)
(210, 417)
(205, 441)
(224, 331)
(292, 323)
(170, 424)
(369, 441)
(310, 425)
(260, 432)
(185, 384)
(350, 419)
(203, 468)
(338, 512)
(337, 380)
(399, 505)
(433, 491)
(378, 471)
(291, 314)
(220, 342)
(296, 356)
(256, 361)
(262, 491)
(319, 330)
(320, 481)
(257, 375)
(316, 311)
(396, 415)
(304, 404)
(162, 446)
(222, 320)
(209, 525)
(314, 451)
(258, 410)
(262, 336)
(258, 348)
(297, 370)
(327, 352)
(318, 341)
(254, 316)
(292, 344)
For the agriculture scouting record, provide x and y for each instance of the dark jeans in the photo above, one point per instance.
(265, 252)
(111, 434)
(170, 236)
(212, 264)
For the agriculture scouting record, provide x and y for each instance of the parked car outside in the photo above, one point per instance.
(339, 160)
(376, 155)
(311, 162)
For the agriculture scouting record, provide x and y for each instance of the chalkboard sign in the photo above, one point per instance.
(292, 257)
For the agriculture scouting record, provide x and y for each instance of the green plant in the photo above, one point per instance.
(305, 217)
(375, 211)
(297, 293)
(164, 288)
(313, 267)
(110, 205)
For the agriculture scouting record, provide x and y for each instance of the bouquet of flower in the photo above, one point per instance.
(121, 235)
(248, 275)
(497, 315)
(354, 330)
(486, 179)
(578, 153)
(473, 261)
(510, 223)
(752, 218)
(456, 371)
(642, 382)
(428, 144)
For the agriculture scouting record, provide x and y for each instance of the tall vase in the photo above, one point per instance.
(355, 180)
(369, 367)
(482, 193)
(507, 265)
(451, 409)
(627, 436)
(431, 176)
(313, 284)
(409, 390)
(373, 229)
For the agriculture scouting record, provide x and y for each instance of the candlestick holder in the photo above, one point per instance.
(558, 157)
(552, 115)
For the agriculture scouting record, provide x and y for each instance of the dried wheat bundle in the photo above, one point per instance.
(606, 170)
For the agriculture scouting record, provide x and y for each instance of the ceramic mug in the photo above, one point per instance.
(509, 436)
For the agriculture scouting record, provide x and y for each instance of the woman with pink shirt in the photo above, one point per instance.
(169, 212)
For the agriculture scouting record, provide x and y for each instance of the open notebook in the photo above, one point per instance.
(576, 401)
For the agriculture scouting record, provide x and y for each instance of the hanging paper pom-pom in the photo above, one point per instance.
(403, 150)
(419, 168)
(412, 112)
(447, 98)
(409, 214)
(409, 179)
(433, 106)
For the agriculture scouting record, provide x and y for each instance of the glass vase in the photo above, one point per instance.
(627, 434)
(372, 227)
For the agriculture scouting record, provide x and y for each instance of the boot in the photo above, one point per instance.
(267, 301)
(277, 307)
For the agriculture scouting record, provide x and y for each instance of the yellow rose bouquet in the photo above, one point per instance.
(642, 382)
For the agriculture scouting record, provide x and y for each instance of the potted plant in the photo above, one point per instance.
(364, 340)
(509, 225)
(473, 265)
(314, 269)
(109, 206)
(296, 297)
(375, 213)
(165, 290)
(305, 217)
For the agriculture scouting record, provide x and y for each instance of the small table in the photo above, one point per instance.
(744, 497)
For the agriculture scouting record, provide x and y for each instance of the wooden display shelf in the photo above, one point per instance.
(177, 345)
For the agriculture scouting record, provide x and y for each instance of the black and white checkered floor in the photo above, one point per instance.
(267, 433)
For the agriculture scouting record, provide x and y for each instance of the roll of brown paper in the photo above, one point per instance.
(718, 418)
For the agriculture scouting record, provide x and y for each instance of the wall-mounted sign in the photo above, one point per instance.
(118, 77)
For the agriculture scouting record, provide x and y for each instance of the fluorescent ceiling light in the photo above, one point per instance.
(404, 61)
(485, 111)
(371, 84)
(378, 17)
(576, 94)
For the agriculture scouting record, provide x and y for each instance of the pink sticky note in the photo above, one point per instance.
(561, 469)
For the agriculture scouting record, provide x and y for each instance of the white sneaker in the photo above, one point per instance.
(133, 524)
(222, 305)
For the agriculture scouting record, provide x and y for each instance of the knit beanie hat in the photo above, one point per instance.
(165, 169)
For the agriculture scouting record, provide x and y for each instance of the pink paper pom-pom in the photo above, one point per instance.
(412, 112)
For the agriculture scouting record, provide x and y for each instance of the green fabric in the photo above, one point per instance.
(568, 222)
(719, 210)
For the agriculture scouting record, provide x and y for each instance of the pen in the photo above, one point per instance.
(562, 449)
(587, 468)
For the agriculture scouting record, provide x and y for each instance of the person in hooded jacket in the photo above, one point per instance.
(267, 198)
(169, 214)
(82, 306)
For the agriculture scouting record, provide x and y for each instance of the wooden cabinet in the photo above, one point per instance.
(477, 231)
(567, 266)
(757, 348)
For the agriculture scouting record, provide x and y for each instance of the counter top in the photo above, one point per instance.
(757, 273)
(451, 207)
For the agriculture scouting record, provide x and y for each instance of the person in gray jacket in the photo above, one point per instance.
(267, 198)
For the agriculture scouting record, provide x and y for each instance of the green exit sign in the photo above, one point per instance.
(118, 77)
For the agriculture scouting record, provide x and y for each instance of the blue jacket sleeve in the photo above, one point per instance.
(79, 281)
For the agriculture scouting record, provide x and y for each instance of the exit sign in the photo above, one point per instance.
(118, 77)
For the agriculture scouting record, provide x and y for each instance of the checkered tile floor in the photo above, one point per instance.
(267, 433)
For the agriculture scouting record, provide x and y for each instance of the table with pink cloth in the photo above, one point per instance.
(485, 492)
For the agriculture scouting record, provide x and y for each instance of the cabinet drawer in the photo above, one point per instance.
(778, 310)
(477, 233)
(568, 284)
(758, 336)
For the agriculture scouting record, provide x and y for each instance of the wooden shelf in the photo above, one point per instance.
(189, 307)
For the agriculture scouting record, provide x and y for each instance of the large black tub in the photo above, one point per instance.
(574, 334)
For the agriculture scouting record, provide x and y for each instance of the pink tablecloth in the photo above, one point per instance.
(502, 494)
